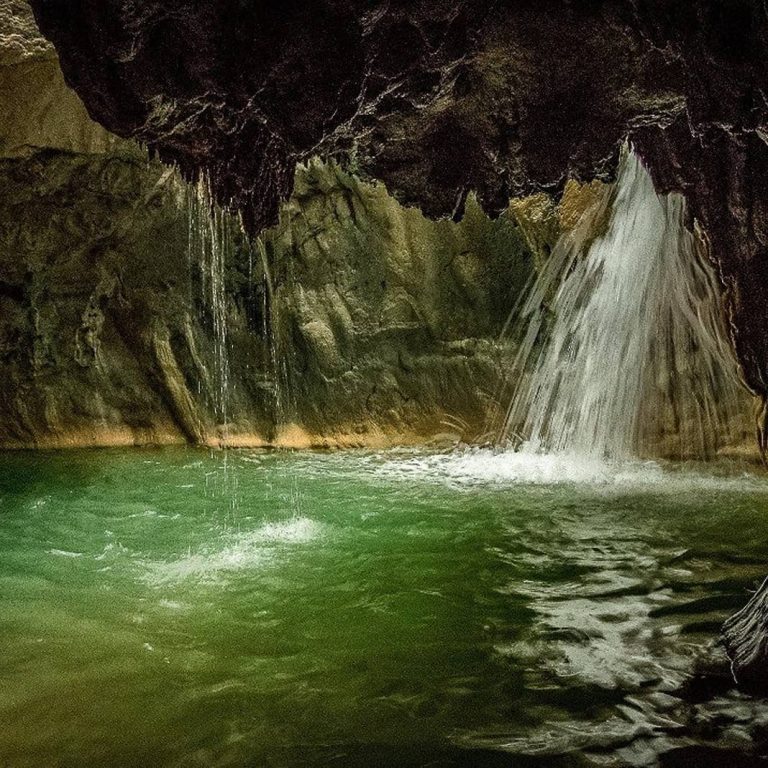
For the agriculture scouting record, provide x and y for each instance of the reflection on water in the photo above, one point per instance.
(398, 609)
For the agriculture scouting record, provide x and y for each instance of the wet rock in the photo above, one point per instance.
(322, 342)
(342, 323)
(374, 306)
(444, 98)
(355, 320)
(746, 640)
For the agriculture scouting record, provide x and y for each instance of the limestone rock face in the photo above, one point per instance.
(389, 322)
(71, 369)
(441, 98)
(354, 321)
(39, 110)
(20, 39)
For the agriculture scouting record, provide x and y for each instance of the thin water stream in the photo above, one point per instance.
(210, 246)
(395, 609)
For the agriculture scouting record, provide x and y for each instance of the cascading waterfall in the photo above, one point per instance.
(623, 338)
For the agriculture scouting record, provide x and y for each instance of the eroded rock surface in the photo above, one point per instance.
(441, 98)
(354, 321)
(20, 39)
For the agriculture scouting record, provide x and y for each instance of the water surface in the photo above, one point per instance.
(180, 608)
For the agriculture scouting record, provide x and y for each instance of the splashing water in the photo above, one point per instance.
(233, 552)
(623, 342)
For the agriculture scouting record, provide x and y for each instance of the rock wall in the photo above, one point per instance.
(131, 315)
(390, 322)
(444, 97)
(355, 321)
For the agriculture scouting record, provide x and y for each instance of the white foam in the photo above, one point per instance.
(64, 553)
(509, 468)
(253, 549)
(485, 467)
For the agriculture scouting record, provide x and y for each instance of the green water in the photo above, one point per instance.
(158, 608)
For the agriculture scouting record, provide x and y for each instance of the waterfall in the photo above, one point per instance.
(622, 338)
(210, 246)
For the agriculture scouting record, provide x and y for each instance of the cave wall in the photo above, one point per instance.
(354, 321)
(442, 98)
(388, 320)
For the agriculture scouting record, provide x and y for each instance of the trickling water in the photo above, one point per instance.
(623, 338)
(210, 245)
